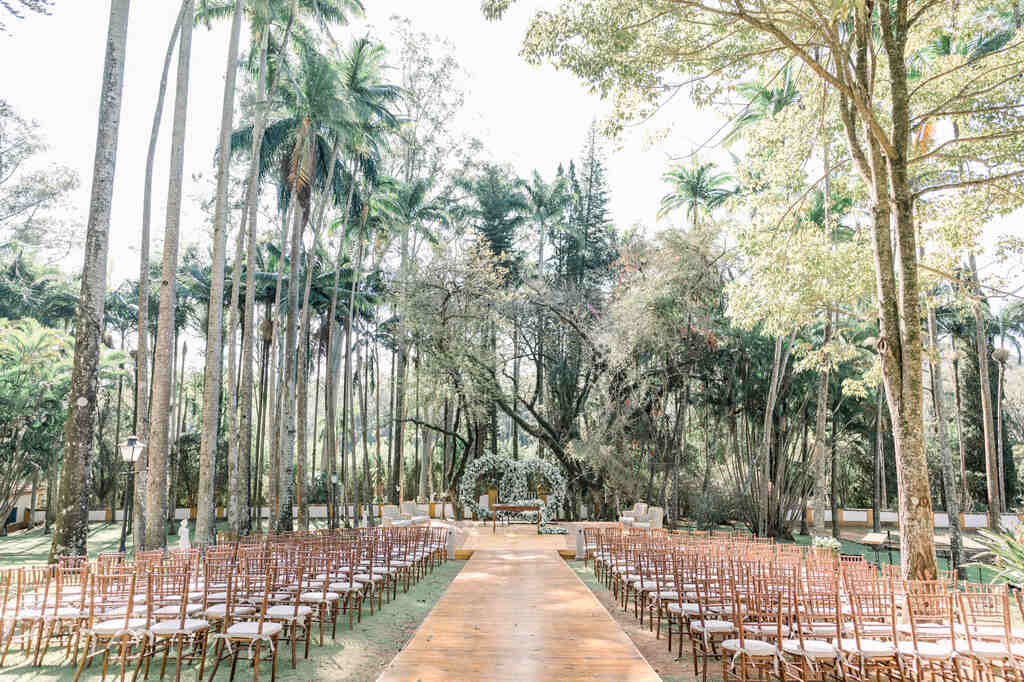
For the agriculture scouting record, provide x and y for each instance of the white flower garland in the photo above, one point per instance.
(513, 484)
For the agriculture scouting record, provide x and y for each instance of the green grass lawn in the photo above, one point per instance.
(31, 546)
(975, 574)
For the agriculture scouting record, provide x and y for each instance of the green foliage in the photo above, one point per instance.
(1006, 551)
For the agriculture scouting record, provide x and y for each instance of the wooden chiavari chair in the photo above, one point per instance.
(983, 634)
(927, 653)
(291, 613)
(808, 655)
(709, 628)
(111, 621)
(252, 633)
(752, 656)
(169, 619)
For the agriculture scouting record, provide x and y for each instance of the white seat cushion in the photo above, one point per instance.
(173, 611)
(710, 626)
(761, 629)
(685, 608)
(286, 611)
(812, 648)
(170, 627)
(345, 587)
(218, 610)
(868, 648)
(751, 647)
(980, 650)
(112, 626)
(250, 628)
(366, 577)
(932, 651)
(317, 597)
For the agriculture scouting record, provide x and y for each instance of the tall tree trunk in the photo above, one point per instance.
(291, 368)
(818, 465)
(302, 406)
(158, 431)
(981, 347)
(779, 364)
(398, 432)
(250, 328)
(348, 439)
(965, 489)
(72, 529)
(877, 471)
(331, 397)
(835, 479)
(206, 510)
(364, 421)
(142, 386)
(1000, 354)
(945, 448)
(236, 473)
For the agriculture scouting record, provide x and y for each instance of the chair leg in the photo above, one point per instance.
(234, 663)
(202, 656)
(217, 658)
(85, 657)
(256, 663)
(163, 661)
(181, 649)
(273, 659)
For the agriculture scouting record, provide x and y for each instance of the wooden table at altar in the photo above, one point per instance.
(512, 509)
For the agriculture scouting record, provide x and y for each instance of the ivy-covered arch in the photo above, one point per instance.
(513, 477)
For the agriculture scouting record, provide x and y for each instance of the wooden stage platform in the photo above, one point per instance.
(519, 614)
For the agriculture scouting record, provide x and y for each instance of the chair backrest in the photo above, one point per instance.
(409, 508)
(655, 517)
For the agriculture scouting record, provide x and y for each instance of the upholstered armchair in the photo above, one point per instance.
(631, 516)
(654, 518)
(391, 515)
(410, 512)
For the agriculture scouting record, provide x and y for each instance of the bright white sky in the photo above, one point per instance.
(530, 117)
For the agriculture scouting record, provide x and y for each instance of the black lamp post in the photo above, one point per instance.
(131, 448)
(334, 523)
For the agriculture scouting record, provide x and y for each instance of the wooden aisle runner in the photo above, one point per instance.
(518, 615)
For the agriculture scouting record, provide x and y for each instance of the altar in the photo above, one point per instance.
(512, 509)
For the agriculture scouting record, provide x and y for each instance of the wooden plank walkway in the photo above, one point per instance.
(519, 615)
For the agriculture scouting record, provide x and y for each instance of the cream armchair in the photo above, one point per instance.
(631, 516)
(410, 512)
(390, 515)
(654, 518)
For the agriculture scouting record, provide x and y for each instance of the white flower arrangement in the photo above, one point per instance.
(513, 484)
(825, 542)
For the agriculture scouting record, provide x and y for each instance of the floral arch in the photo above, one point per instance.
(513, 483)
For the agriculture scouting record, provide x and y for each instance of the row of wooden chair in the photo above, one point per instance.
(245, 598)
(775, 612)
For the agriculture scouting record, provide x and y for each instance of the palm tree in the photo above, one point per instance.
(764, 101)
(1011, 324)
(206, 509)
(698, 187)
(142, 351)
(367, 119)
(70, 536)
(156, 482)
(547, 203)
